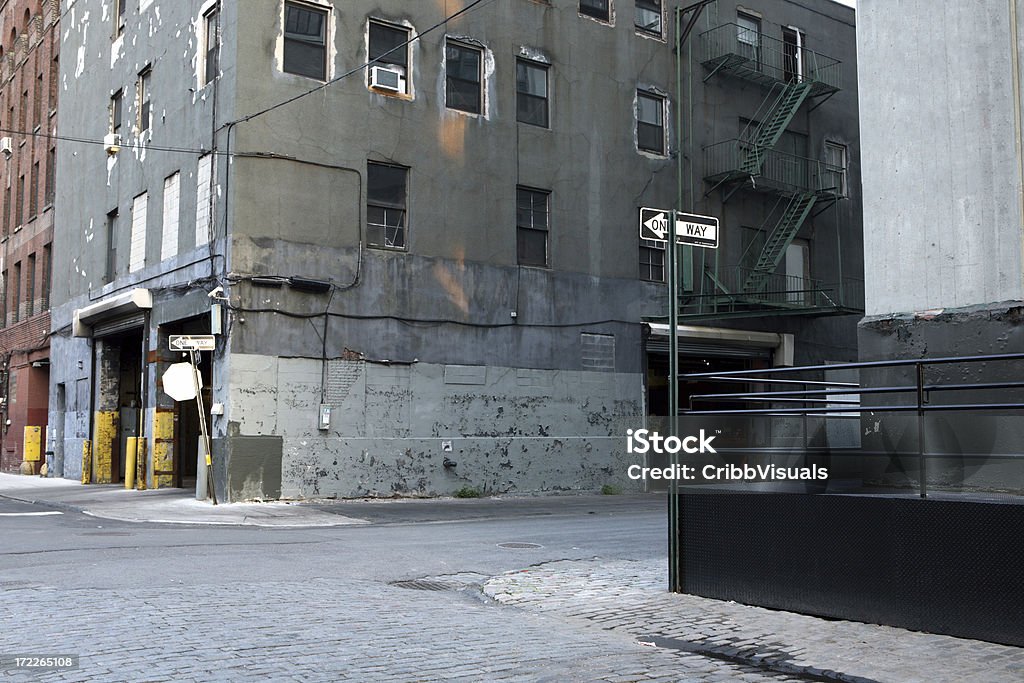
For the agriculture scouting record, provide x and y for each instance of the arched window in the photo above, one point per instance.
(28, 19)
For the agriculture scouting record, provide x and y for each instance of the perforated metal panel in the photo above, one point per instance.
(940, 566)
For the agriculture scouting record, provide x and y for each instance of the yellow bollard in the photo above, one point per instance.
(87, 462)
(130, 456)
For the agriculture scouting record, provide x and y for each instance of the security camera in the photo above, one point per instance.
(217, 292)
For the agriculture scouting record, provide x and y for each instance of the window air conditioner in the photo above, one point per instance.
(112, 143)
(386, 79)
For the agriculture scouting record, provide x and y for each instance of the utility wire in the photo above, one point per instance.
(200, 150)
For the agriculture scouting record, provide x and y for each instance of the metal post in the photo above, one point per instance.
(922, 462)
(211, 490)
(675, 564)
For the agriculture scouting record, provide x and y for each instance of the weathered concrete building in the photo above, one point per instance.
(29, 59)
(425, 274)
(944, 229)
(943, 175)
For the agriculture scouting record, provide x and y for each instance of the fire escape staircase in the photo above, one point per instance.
(781, 237)
(769, 132)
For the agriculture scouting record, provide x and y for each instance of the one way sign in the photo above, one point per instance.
(697, 231)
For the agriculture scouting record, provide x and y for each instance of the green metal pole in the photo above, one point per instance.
(675, 561)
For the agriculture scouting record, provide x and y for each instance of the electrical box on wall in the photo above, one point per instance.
(325, 417)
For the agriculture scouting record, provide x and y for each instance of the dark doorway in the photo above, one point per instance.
(187, 430)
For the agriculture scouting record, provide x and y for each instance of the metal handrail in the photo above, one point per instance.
(921, 389)
(777, 169)
(769, 56)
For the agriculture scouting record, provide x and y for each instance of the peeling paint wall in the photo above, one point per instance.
(166, 37)
(391, 427)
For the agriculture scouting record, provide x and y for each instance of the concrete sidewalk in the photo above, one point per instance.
(167, 506)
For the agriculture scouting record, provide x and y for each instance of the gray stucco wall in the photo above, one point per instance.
(942, 160)
(392, 426)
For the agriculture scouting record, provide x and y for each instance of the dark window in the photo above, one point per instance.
(305, 41)
(20, 201)
(388, 50)
(532, 93)
(116, 104)
(7, 210)
(463, 78)
(386, 205)
(47, 277)
(652, 260)
(532, 225)
(33, 190)
(24, 112)
(650, 122)
(212, 22)
(599, 9)
(3, 301)
(30, 287)
(51, 175)
(145, 99)
(37, 106)
(16, 292)
(110, 271)
(648, 16)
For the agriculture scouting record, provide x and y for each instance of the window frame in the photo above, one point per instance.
(651, 247)
(642, 6)
(544, 99)
(144, 119)
(116, 111)
(325, 38)
(389, 61)
(590, 9)
(524, 230)
(211, 56)
(120, 7)
(401, 240)
(661, 101)
(756, 26)
(110, 267)
(451, 44)
(844, 174)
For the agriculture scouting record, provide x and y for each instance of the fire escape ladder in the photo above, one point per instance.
(770, 131)
(782, 236)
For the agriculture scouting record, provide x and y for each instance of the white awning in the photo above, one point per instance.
(122, 305)
(780, 343)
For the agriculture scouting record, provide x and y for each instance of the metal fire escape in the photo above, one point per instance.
(794, 77)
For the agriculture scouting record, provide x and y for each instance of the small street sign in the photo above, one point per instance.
(192, 342)
(697, 231)
(691, 229)
(654, 224)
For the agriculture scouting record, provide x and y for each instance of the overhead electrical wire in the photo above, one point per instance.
(150, 147)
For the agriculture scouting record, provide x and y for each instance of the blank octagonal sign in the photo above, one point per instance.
(180, 381)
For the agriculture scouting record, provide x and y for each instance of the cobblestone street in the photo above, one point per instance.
(559, 589)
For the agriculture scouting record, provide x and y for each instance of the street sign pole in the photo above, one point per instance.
(673, 390)
(210, 489)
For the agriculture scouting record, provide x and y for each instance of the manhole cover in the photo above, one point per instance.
(423, 585)
(520, 545)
